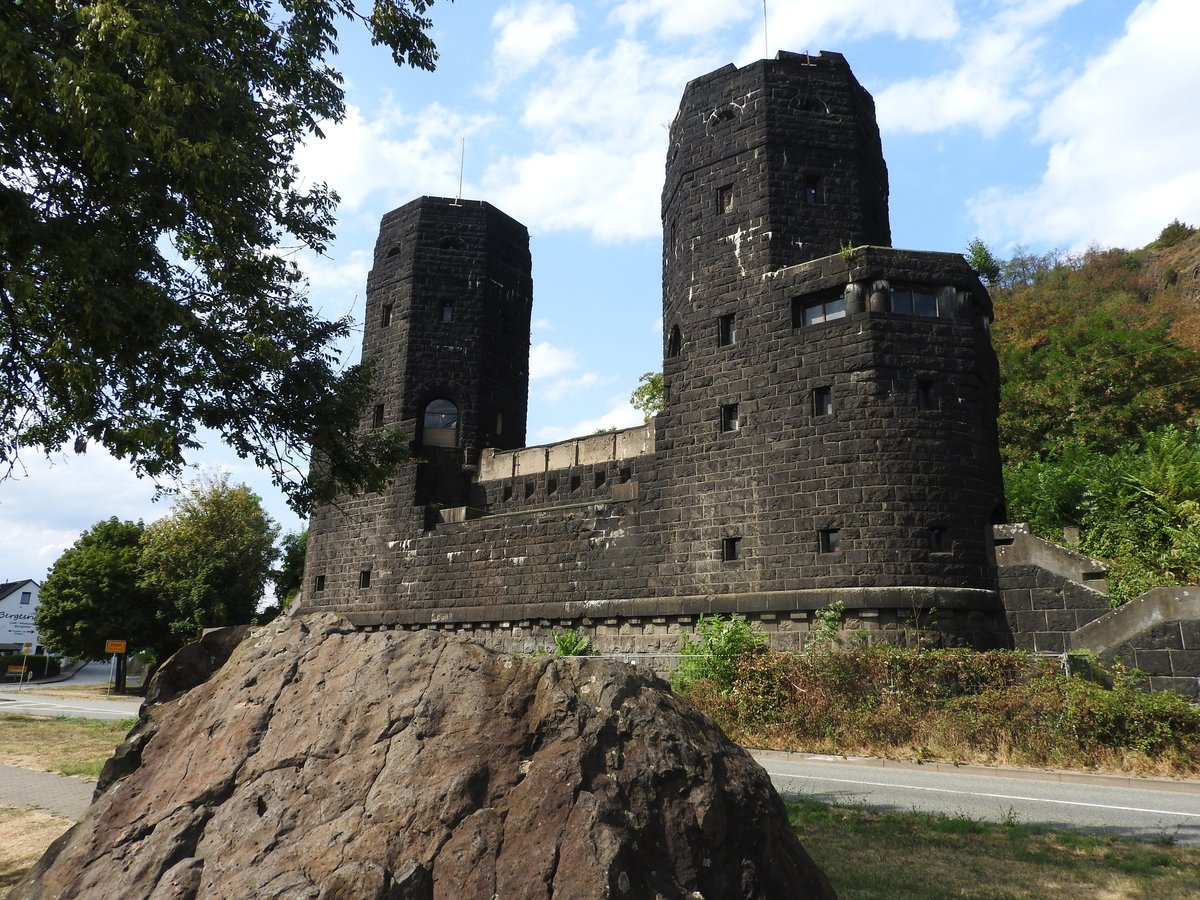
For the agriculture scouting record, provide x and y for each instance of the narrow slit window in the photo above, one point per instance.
(726, 330)
(926, 395)
(447, 312)
(576, 481)
(377, 416)
(318, 584)
(599, 479)
(725, 198)
(674, 342)
(731, 549)
(823, 401)
(385, 316)
(830, 540)
(729, 417)
(364, 579)
(814, 191)
(551, 486)
(935, 538)
(508, 492)
(529, 489)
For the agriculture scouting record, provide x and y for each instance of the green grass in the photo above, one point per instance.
(65, 746)
(869, 854)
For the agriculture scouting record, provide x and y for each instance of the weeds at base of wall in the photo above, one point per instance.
(998, 707)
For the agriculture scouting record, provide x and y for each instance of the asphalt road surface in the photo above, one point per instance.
(1148, 809)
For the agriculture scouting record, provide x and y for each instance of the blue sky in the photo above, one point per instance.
(1038, 123)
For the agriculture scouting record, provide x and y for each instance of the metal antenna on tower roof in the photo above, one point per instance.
(766, 46)
(462, 159)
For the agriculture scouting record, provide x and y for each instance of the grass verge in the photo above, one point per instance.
(869, 854)
(63, 746)
(24, 836)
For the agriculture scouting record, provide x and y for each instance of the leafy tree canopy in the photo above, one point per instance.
(648, 395)
(93, 594)
(1175, 233)
(208, 561)
(146, 182)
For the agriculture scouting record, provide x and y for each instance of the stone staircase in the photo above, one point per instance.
(1056, 600)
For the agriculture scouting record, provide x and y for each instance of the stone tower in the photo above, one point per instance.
(447, 327)
(830, 402)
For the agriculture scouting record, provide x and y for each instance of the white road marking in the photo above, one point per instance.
(1162, 812)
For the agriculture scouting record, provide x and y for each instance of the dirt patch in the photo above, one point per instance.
(24, 837)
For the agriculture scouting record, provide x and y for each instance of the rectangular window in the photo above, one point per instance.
(830, 540)
(377, 416)
(599, 479)
(625, 474)
(725, 198)
(576, 481)
(385, 316)
(914, 301)
(528, 489)
(823, 401)
(364, 579)
(926, 396)
(726, 330)
(318, 584)
(729, 417)
(814, 191)
(731, 549)
(447, 312)
(551, 486)
(26, 597)
(507, 492)
(936, 538)
(807, 312)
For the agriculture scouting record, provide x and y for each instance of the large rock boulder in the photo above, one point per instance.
(322, 762)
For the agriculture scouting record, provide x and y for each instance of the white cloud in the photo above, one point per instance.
(600, 126)
(547, 361)
(824, 24)
(565, 387)
(620, 415)
(529, 32)
(360, 157)
(1000, 74)
(691, 19)
(1121, 162)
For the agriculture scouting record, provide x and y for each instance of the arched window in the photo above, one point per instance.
(674, 342)
(441, 424)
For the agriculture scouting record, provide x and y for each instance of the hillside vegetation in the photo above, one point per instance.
(1100, 367)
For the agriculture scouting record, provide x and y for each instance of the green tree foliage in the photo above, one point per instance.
(94, 593)
(1138, 508)
(208, 561)
(648, 395)
(1175, 233)
(146, 180)
(983, 261)
(289, 577)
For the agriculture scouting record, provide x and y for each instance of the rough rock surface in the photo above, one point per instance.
(321, 762)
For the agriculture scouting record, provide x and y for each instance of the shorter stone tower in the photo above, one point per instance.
(447, 328)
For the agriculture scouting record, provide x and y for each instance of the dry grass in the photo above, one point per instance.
(899, 856)
(81, 692)
(24, 837)
(63, 746)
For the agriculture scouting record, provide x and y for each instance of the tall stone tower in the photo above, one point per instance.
(830, 402)
(447, 327)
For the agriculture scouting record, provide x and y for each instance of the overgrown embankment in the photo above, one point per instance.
(1000, 707)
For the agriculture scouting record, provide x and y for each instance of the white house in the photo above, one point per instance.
(18, 604)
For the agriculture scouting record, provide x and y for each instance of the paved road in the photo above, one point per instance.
(31, 702)
(1142, 808)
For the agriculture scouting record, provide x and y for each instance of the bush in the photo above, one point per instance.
(1000, 706)
(572, 642)
(714, 653)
